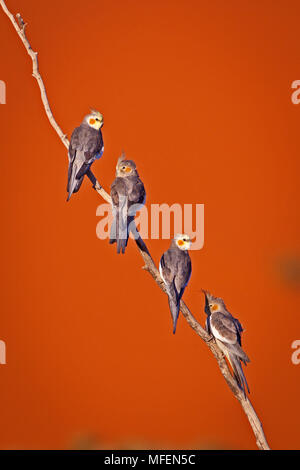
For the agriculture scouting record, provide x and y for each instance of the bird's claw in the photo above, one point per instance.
(209, 339)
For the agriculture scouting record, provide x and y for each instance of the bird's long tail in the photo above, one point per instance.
(113, 230)
(238, 372)
(174, 304)
(73, 182)
(120, 228)
(236, 350)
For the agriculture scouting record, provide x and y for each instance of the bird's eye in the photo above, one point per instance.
(123, 167)
(97, 119)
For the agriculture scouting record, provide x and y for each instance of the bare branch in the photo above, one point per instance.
(20, 26)
(97, 186)
(149, 266)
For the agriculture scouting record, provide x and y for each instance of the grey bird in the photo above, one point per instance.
(86, 146)
(128, 196)
(175, 269)
(227, 332)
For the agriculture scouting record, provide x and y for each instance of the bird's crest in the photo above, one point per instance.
(94, 112)
(218, 302)
(121, 158)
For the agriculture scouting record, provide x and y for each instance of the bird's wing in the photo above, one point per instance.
(237, 350)
(166, 267)
(88, 140)
(239, 329)
(76, 163)
(119, 230)
(184, 271)
(100, 146)
(136, 191)
(92, 148)
(82, 149)
(93, 145)
(238, 325)
(117, 190)
(86, 145)
(223, 328)
(74, 143)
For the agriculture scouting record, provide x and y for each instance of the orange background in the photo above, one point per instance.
(199, 95)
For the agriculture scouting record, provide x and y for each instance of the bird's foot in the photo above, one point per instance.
(97, 186)
(209, 339)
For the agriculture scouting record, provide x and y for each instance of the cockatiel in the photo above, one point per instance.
(175, 269)
(227, 332)
(86, 145)
(128, 196)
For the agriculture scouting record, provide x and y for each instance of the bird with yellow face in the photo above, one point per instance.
(175, 269)
(227, 332)
(86, 146)
(128, 196)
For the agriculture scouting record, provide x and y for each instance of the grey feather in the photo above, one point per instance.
(174, 304)
(176, 268)
(128, 194)
(86, 144)
(227, 332)
(74, 178)
(239, 373)
(237, 351)
(122, 226)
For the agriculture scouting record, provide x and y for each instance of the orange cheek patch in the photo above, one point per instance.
(127, 169)
(92, 121)
(180, 243)
(214, 307)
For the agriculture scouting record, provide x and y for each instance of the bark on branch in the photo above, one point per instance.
(149, 266)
